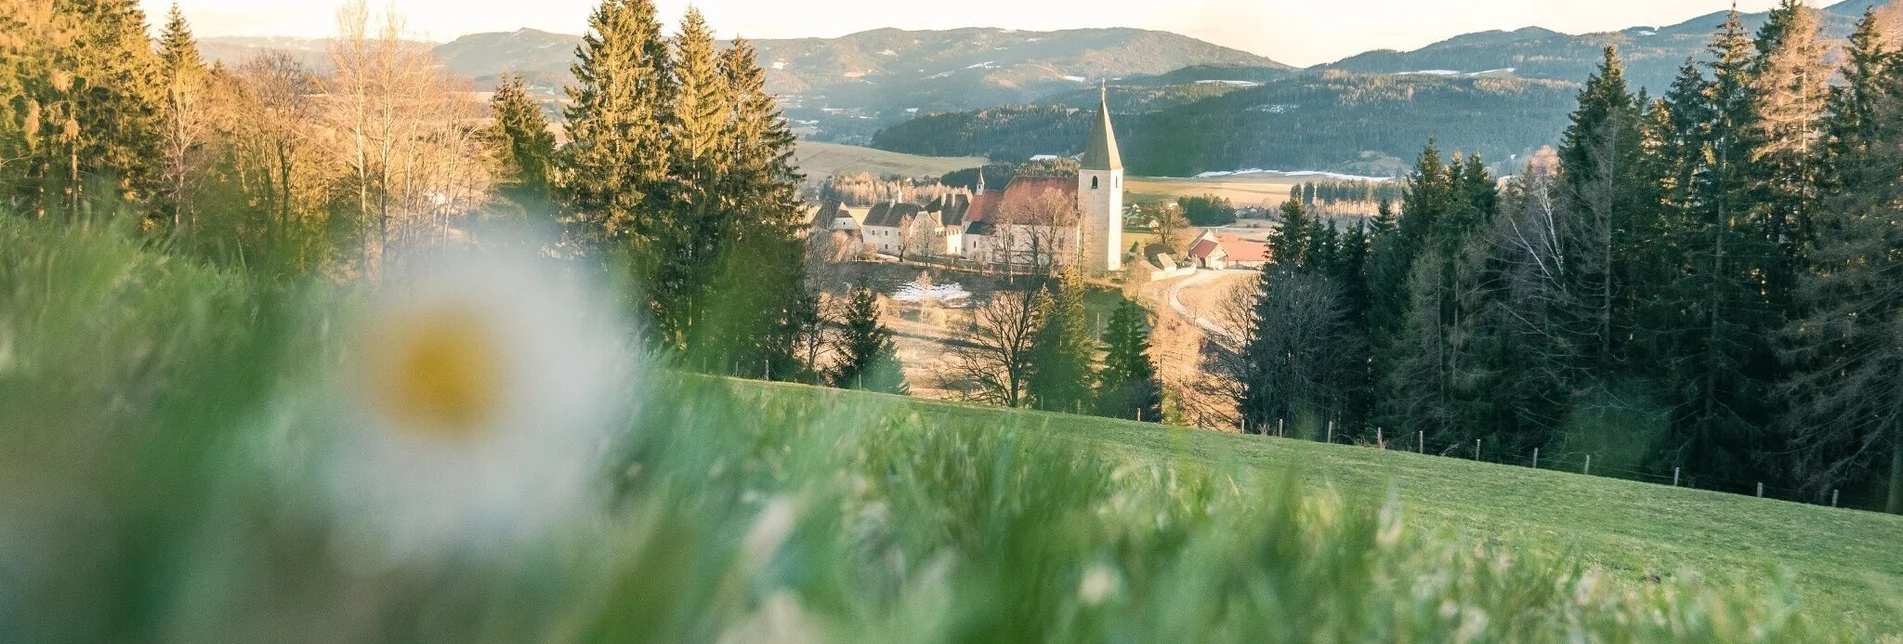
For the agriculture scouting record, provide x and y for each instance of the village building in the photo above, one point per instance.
(1032, 222)
(1221, 251)
(888, 228)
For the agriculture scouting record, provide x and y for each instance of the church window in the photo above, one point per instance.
(1093, 183)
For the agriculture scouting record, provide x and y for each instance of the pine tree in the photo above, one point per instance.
(868, 359)
(1788, 92)
(1846, 358)
(1128, 387)
(761, 287)
(617, 158)
(1061, 350)
(1607, 219)
(1854, 121)
(97, 128)
(523, 146)
(1719, 355)
(1288, 246)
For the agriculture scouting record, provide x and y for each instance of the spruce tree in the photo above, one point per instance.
(1606, 220)
(1062, 349)
(1128, 387)
(868, 359)
(98, 128)
(1719, 353)
(1854, 118)
(523, 146)
(1288, 246)
(760, 292)
(616, 158)
(1788, 91)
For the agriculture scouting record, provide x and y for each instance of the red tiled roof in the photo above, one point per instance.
(987, 205)
(1203, 248)
(1243, 250)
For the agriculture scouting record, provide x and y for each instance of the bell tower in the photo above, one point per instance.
(1100, 194)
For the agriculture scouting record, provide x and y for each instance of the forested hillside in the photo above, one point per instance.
(1357, 123)
(1652, 53)
(1696, 288)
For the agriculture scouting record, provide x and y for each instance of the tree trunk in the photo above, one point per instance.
(1895, 504)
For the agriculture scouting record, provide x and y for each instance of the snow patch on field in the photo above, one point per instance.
(1295, 173)
(1077, 79)
(989, 64)
(1231, 83)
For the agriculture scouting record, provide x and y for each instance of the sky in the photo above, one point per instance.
(1302, 33)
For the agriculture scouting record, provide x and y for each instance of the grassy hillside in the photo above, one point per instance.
(472, 451)
(1841, 562)
(819, 160)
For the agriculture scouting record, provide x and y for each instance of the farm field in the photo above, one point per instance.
(1840, 563)
(1262, 190)
(820, 160)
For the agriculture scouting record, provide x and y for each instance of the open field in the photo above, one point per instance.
(1842, 563)
(1265, 190)
(820, 160)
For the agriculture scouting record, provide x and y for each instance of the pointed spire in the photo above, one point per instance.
(981, 180)
(1100, 152)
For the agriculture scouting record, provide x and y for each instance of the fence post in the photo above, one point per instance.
(769, 370)
(1331, 432)
(1833, 498)
(1588, 464)
(1420, 441)
(1675, 469)
(1278, 428)
(1139, 414)
(1536, 458)
(1760, 489)
(1476, 449)
(1378, 440)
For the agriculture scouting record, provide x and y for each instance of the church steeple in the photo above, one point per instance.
(1100, 152)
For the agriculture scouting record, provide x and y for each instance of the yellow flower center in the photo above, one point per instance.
(439, 373)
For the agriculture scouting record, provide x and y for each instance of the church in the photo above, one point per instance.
(1033, 222)
(1019, 225)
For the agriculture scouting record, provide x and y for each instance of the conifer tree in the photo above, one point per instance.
(1127, 387)
(616, 158)
(1719, 355)
(761, 292)
(1788, 92)
(1288, 246)
(1606, 221)
(99, 94)
(868, 359)
(1061, 351)
(1856, 110)
(524, 147)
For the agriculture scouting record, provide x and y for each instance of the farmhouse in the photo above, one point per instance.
(1219, 251)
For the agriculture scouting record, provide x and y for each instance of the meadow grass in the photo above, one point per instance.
(162, 478)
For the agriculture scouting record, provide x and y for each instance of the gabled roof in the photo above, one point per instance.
(954, 210)
(1100, 152)
(829, 210)
(887, 214)
(1243, 250)
(986, 207)
(1205, 248)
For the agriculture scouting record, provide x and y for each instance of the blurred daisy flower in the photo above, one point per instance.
(479, 396)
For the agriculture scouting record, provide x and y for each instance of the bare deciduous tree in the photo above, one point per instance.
(997, 357)
(407, 131)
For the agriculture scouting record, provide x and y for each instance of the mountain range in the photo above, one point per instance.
(848, 89)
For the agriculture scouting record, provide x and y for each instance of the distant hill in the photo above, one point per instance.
(232, 50)
(846, 88)
(1365, 124)
(1652, 54)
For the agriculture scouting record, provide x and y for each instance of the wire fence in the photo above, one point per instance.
(1586, 463)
